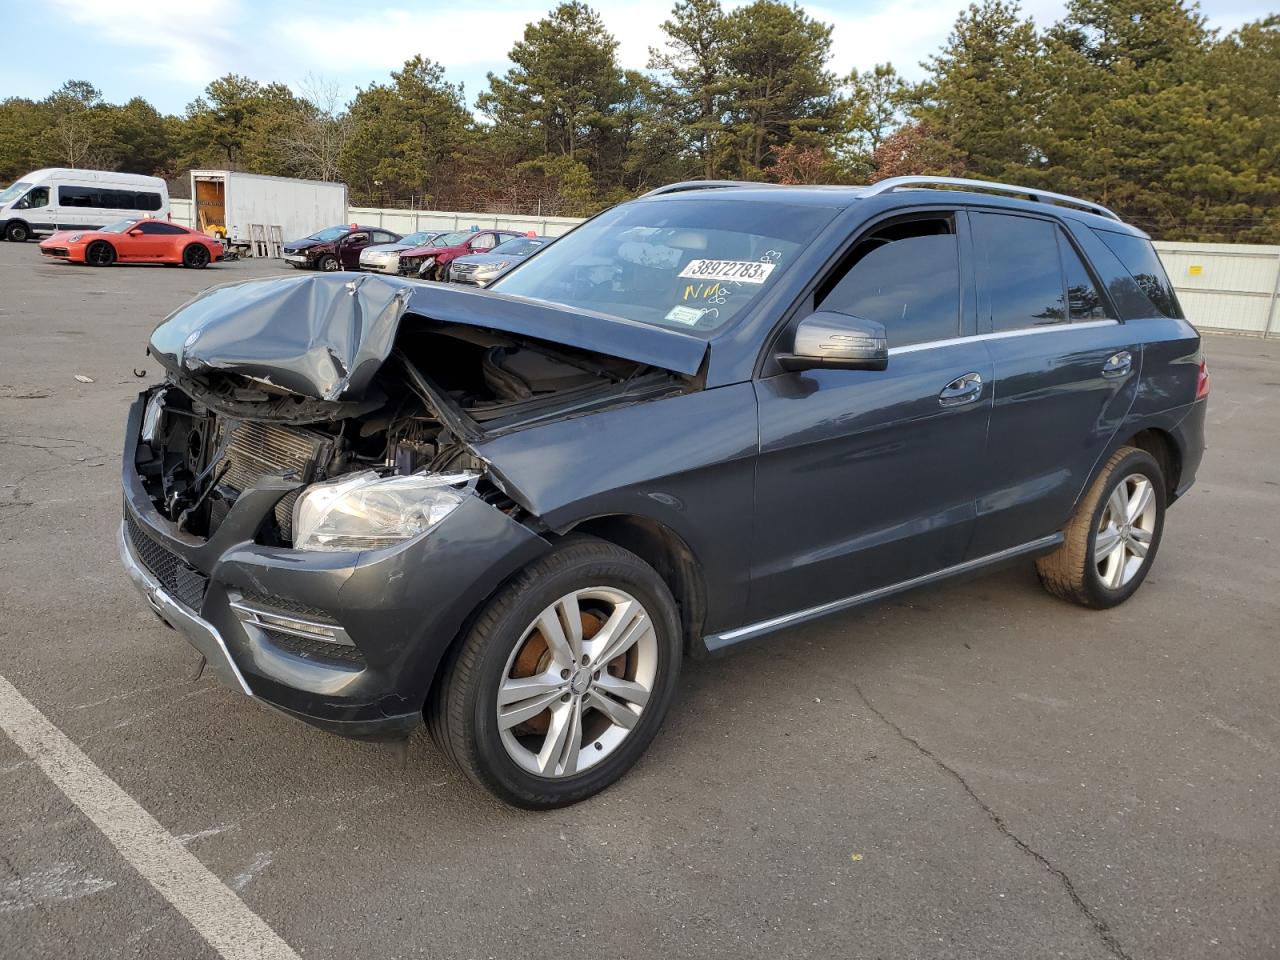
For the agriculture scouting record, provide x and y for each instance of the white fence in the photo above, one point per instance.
(1228, 287)
(411, 221)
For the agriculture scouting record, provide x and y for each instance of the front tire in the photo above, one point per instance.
(1112, 539)
(327, 263)
(563, 679)
(17, 232)
(100, 254)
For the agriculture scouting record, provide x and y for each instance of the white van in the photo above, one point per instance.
(59, 199)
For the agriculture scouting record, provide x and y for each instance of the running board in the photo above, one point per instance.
(717, 643)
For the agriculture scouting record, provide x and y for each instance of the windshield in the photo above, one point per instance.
(418, 239)
(519, 247)
(13, 192)
(332, 233)
(690, 264)
(120, 226)
(451, 239)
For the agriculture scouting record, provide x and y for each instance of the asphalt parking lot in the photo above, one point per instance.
(975, 771)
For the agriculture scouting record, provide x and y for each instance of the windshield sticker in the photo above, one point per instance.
(743, 271)
(689, 316)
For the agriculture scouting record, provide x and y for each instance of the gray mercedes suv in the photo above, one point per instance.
(699, 419)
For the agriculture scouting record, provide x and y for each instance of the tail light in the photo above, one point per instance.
(1202, 381)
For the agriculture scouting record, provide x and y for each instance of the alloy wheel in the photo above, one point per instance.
(100, 254)
(1125, 531)
(577, 682)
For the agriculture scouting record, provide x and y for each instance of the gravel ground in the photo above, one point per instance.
(976, 770)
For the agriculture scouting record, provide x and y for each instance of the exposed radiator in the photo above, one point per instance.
(259, 448)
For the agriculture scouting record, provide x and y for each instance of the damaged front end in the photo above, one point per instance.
(281, 484)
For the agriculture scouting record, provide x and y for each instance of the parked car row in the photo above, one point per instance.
(475, 257)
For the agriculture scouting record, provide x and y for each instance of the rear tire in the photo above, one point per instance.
(17, 232)
(195, 257)
(590, 731)
(100, 254)
(1112, 538)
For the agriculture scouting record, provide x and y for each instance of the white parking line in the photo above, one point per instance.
(222, 918)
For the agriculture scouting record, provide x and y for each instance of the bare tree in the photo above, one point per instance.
(321, 130)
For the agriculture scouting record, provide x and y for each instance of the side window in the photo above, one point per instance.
(380, 236)
(1083, 300)
(156, 227)
(357, 238)
(1139, 258)
(35, 198)
(904, 275)
(1022, 274)
(76, 197)
(483, 242)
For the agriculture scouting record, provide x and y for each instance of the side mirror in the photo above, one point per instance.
(135, 233)
(839, 341)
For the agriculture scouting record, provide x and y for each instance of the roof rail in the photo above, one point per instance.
(703, 185)
(1029, 193)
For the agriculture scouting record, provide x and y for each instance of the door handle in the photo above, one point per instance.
(961, 390)
(1118, 365)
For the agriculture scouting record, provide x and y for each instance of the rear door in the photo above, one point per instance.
(868, 478)
(349, 249)
(1066, 373)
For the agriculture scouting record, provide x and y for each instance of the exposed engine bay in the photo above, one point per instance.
(210, 434)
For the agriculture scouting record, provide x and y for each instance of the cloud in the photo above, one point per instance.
(183, 44)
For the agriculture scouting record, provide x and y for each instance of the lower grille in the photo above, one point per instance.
(313, 649)
(54, 251)
(184, 584)
(260, 448)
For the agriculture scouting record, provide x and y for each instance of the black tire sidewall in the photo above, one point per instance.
(502, 774)
(12, 230)
(1139, 461)
(93, 246)
(327, 258)
(187, 257)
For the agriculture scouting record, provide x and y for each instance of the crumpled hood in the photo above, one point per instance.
(324, 336)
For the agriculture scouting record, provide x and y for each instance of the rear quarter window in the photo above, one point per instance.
(1139, 259)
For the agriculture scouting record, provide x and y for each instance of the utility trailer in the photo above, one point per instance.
(228, 203)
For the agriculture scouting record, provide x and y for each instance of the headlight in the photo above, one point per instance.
(75, 238)
(362, 511)
(493, 267)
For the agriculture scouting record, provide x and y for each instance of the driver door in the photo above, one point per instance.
(867, 479)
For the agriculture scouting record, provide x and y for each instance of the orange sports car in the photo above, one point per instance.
(134, 241)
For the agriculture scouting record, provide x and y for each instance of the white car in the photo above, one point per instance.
(385, 257)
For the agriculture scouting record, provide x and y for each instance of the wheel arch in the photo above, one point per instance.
(1163, 447)
(663, 549)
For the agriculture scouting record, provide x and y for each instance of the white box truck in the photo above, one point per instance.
(226, 203)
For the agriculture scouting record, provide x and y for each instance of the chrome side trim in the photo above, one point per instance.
(1027, 193)
(198, 632)
(1002, 335)
(720, 641)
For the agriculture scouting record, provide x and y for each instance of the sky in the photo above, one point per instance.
(168, 52)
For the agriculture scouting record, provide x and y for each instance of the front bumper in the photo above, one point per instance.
(401, 607)
(391, 267)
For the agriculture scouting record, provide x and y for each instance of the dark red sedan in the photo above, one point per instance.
(431, 261)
